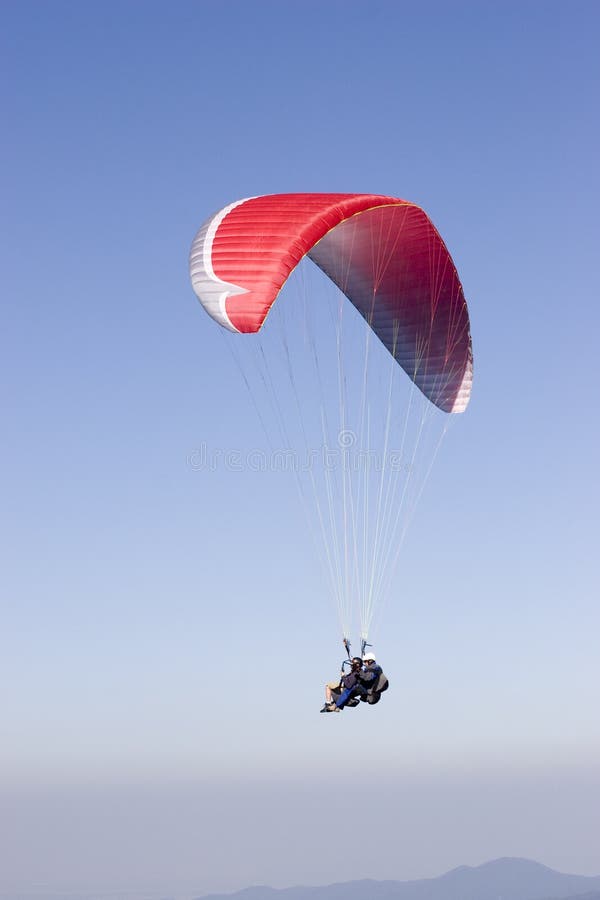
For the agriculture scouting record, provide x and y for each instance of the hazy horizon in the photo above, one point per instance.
(137, 828)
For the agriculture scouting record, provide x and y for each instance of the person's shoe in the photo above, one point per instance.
(330, 707)
(325, 708)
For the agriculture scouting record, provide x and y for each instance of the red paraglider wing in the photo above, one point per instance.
(382, 252)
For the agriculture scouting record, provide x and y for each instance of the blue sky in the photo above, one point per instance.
(139, 596)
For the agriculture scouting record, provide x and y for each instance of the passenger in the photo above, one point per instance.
(337, 694)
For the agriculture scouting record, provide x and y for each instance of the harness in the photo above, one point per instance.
(374, 693)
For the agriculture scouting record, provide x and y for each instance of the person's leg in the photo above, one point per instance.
(332, 692)
(344, 697)
(328, 689)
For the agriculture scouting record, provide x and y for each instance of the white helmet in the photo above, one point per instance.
(369, 657)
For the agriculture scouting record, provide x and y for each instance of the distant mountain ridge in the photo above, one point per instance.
(500, 879)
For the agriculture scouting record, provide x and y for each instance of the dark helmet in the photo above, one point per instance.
(356, 662)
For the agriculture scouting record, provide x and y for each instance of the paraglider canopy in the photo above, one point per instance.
(382, 252)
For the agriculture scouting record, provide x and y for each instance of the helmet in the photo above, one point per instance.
(369, 657)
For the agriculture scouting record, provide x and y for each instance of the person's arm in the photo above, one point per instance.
(370, 676)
